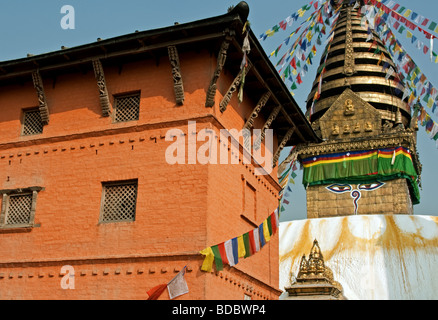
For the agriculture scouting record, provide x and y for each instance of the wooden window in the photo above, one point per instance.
(126, 107)
(18, 207)
(32, 123)
(118, 201)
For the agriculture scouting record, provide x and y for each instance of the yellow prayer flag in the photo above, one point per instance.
(382, 56)
(408, 35)
(430, 103)
(411, 98)
(309, 36)
(241, 247)
(270, 33)
(207, 265)
(266, 231)
(427, 117)
(407, 13)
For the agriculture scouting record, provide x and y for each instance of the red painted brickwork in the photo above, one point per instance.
(180, 210)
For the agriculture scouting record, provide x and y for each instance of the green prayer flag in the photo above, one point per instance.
(294, 86)
(268, 221)
(247, 245)
(432, 26)
(401, 10)
(217, 258)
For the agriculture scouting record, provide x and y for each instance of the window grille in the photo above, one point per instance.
(32, 123)
(19, 209)
(119, 202)
(127, 108)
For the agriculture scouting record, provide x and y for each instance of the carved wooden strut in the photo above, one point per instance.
(233, 88)
(286, 138)
(255, 113)
(101, 84)
(176, 74)
(267, 125)
(211, 93)
(42, 102)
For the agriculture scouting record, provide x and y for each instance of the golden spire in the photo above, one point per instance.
(315, 279)
(358, 59)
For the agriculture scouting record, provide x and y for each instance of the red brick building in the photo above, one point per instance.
(84, 178)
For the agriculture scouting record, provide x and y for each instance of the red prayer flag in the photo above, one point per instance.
(425, 22)
(252, 242)
(156, 291)
(223, 253)
(283, 25)
(293, 63)
(273, 222)
(299, 79)
(373, 44)
(320, 19)
(425, 49)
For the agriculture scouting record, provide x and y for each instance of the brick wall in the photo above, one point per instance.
(180, 209)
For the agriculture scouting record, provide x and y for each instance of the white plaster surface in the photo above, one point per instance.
(371, 256)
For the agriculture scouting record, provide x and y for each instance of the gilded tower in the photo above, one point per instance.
(367, 162)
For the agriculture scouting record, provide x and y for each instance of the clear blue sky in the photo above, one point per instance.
(29, 26)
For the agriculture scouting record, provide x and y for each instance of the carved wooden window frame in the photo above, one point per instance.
(25, 113)
(103, 203)
(117, 97)
(6, 198)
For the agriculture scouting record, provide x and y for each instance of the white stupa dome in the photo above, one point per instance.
(371, 256)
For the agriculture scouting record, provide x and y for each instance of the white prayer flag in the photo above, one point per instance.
(229, 252)
(257, 239)
(434, 131)
(389, 73)
(178, 285)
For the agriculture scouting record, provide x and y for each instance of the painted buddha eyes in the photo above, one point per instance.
(341, 188)
(370, 186)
